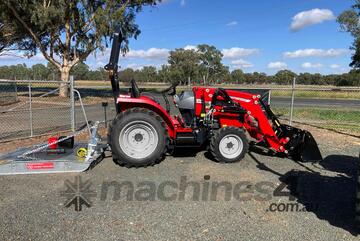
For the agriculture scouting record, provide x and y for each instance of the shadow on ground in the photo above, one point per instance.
(329, 196)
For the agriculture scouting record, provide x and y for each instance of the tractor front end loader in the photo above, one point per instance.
(143, 131)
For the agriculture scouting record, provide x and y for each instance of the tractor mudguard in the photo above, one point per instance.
(302, 145)
(125, 102)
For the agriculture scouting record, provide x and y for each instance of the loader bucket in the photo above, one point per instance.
(310, 150)
(302, 145)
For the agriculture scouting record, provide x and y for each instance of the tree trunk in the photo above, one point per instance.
(64, 88)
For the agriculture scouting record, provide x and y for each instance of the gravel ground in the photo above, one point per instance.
(32, 207)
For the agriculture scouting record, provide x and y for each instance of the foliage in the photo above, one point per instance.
(184, 64)
(350, 22)
(169, 74)
(67, 32)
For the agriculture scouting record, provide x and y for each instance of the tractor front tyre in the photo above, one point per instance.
(138, 137)
(229, 144)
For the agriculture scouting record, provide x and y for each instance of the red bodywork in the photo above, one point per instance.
(255, 120)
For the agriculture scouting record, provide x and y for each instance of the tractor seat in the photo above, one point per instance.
(158, 97)
(134, 90)
(153, 96)
(136, 93)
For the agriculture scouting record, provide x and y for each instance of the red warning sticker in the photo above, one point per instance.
(40, 165)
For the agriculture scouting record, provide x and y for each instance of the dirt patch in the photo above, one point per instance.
(330, 138)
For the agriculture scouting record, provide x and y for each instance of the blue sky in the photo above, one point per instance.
(263, 36)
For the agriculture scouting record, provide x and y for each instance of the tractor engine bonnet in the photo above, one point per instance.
(185, 101)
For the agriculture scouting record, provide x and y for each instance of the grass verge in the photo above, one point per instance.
(336, 119)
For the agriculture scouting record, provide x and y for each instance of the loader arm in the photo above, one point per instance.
(263, 129)
(300, 144)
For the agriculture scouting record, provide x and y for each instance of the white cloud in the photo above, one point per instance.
(152, 53)
(233, 23)
(301, 53)
(182, 3)
(190, 47)
(134, 66)
(9, 57)
(38, 57)
(311, 17)
(308, 65)
(277, 65)
(94, 65)
(335, 66)
(17, 55)
(236, 52)
(240, 63)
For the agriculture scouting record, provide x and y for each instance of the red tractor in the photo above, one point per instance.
(143, 131)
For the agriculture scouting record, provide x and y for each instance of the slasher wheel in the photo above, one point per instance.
(229, 144)
(138, 137)
(81, 152)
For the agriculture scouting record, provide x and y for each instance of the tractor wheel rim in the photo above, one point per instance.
(138, 139)
(231, 146)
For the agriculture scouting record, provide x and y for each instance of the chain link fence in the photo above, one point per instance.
(335, 109)
(32, 108)
(8, 94)
(29, 108)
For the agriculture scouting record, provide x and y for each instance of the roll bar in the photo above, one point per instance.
(112, 66)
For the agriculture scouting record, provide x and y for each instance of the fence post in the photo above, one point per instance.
(72, 104)
(292, 100)
(269, 98)
(16, 93)
(30, 112)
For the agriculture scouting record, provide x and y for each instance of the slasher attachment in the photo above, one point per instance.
(39, 160)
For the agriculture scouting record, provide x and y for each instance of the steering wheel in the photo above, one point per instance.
(172, 88)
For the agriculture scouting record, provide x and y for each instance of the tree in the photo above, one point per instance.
(237, 76)
(184, 64)
(210, 61)
(349, 22)
(164, 73)
(127, 75)
(54, 73)
(66, 32)
(80, 71)
(98, 74)
(149, 73)
(9, 36)
(40, 71)
(284, 77)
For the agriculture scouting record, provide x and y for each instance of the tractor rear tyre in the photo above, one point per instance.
(229, 144)
(138, 137)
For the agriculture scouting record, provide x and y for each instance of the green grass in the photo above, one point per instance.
(337, 119)
(343, 94)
